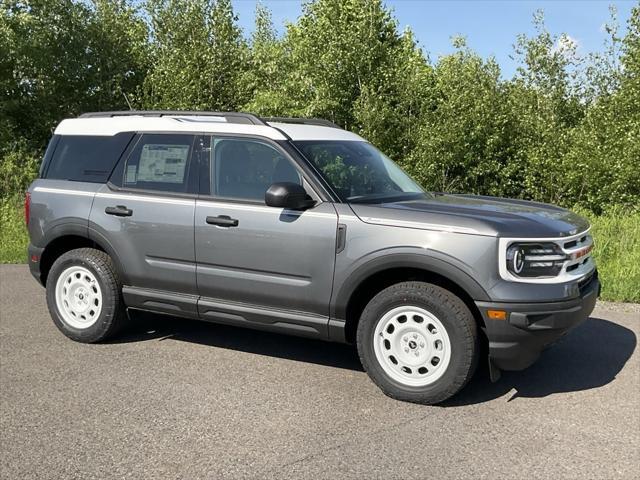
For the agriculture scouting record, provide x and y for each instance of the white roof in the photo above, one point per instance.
(138, 123)
(299, 131)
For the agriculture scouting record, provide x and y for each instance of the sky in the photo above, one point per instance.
(490, 27)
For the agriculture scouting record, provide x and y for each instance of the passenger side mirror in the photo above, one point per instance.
(288, 195)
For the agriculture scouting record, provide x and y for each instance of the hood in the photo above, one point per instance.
(477, 215)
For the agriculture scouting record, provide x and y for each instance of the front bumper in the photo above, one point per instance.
(516, 343)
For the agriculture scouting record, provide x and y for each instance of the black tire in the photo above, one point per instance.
(459, 324)
(112, 315)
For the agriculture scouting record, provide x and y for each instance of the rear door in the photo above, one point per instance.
(146, 214)
(256, 264)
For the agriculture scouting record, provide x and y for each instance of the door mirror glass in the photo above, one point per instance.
(288, 195)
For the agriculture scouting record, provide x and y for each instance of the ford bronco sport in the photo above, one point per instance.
(300, 227)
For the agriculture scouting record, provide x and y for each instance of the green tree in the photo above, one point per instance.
(333, 50)
(199, 56)
(603, 70)
(62, 58)
(545, 106)
(462, 136)
(606, 148)
(390, 107)
(347, 62)
(266, 56)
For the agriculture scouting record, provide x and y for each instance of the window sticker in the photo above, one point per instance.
(162, 163)
(132, 171)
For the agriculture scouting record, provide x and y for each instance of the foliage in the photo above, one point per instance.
(13, 232)
(565, 129)
(266, 55)
(617, 253)
(61, 58)
(198, 55)
(18, 169)
(462, 137)
(341, 61)
(605, 149)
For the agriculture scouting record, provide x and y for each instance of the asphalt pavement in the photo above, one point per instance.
(175, 398)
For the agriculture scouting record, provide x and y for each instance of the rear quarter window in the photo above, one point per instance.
(86, 158)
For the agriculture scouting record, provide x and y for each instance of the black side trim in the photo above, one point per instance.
(402, 260)
(182, 305)
(217, 311)
(337, 331)
(260, 318)
(105, 244)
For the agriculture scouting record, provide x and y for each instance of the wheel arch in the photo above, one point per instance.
(375, 275)
(71, 238)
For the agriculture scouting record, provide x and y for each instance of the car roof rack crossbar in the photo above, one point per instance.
(303, 121)
(230, 117)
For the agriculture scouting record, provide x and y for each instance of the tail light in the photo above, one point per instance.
(27, 208)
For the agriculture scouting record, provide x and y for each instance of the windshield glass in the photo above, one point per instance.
(358, 172)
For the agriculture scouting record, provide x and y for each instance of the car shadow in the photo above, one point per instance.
(588, 357)
(148, 326)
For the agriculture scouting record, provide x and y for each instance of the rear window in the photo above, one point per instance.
(86, 158)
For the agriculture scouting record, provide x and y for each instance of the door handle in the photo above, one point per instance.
(223, 221)
(119, 211)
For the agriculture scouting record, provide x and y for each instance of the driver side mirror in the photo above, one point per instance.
(288, 195)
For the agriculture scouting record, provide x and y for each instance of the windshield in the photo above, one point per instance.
(358, 172)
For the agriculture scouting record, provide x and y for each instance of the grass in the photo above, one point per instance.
(13, 233)
(617, 251)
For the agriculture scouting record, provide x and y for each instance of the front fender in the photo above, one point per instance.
(427, 260)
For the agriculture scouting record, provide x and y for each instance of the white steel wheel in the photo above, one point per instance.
(78, 297)
(412, 346)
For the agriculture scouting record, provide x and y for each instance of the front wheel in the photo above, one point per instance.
(84, 296)
(418, 342)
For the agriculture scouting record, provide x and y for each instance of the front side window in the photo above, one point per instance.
(244, 169)
(358, 172)
(159, 162)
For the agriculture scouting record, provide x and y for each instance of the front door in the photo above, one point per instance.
(258, 265)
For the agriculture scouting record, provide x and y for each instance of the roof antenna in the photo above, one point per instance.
(127, 100)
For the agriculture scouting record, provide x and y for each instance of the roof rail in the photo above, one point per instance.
(230, 117)
(304, 121)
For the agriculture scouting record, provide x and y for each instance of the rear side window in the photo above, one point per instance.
(86, 158)
(160, 162)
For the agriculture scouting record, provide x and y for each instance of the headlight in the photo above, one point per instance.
(535, 260)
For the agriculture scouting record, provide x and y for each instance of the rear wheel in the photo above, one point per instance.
(418, 342)
(83, 295)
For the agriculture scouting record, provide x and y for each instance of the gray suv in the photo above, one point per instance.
(297, 226)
